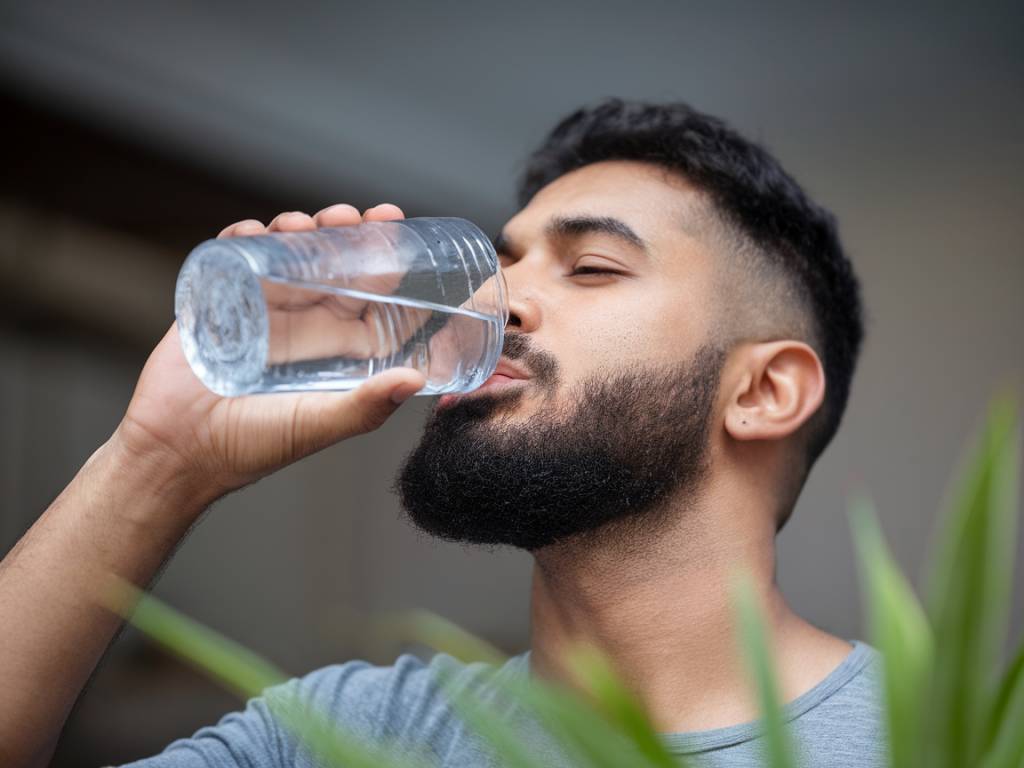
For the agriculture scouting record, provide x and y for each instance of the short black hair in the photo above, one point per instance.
(752, 195)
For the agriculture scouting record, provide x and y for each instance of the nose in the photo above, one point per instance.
(524, 312)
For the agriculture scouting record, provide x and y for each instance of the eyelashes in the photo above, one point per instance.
(582, 271)
(593, 271)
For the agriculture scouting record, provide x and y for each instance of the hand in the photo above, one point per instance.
(217, 444)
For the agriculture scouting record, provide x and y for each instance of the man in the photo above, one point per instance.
(682, 334)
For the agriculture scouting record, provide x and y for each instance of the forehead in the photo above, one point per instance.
(661, 207)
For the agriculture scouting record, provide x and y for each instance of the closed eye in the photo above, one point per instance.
(594, 271)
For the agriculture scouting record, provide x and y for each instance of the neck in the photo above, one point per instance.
(663, 613)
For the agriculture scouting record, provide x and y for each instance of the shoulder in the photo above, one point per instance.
(406, 705)
(401, 702)
(844, 720)
(358, 689)
(382, 701)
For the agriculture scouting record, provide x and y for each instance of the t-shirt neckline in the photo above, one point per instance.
(716, 738)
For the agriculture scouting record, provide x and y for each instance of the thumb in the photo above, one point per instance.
(368, 406)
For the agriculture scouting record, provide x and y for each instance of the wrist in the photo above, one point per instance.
(146, 483)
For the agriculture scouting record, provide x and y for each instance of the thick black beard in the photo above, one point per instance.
(634, 440)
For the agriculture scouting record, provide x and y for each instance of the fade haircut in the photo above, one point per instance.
(784, 247)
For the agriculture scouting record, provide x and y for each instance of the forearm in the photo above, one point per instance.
(121, 516)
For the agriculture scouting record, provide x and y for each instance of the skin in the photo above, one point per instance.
(663, 613)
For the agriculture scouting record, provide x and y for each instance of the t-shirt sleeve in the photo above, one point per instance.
(363, 700)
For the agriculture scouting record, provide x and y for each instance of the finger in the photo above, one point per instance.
(243, 228)
(378, 397)
(292, 221)
(340, 215)
(398, 384)
(362, 410)
(383, 212)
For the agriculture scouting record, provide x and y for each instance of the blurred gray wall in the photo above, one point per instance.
(907, 122)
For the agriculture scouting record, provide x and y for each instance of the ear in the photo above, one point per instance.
(779, 386)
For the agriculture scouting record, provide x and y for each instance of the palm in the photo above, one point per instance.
(240, 437)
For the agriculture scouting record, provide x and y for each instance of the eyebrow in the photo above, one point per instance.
(577, 226)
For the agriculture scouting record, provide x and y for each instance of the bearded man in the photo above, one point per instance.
(682, 334)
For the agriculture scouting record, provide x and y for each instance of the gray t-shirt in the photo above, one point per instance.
(838, 722)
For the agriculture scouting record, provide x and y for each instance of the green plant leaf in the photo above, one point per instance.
(753, 640)
(970, 588)
(576, 734)
(329, 742)
(578, 730)
(619, 703)
(1005, 738)
(236, 667)
(437, 632)
(247, 674)
(899, 629)
(491, 725)
(583, 732)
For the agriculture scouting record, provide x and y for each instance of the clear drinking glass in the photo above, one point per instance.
(327, 308)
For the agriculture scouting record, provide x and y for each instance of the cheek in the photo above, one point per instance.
(599, 335)
(653, 330)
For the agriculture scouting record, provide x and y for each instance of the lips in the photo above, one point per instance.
(505, 374)
(497, 378)
(508, 370)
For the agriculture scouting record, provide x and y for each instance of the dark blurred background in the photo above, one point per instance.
(136, 130)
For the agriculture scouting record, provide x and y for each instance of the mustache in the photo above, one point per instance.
(542, 365)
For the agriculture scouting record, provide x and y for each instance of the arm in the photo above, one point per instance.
(178, 448)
